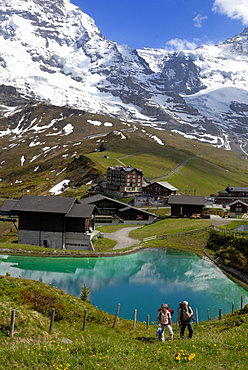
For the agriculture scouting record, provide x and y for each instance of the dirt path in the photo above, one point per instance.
(122, 237)
(176, 169)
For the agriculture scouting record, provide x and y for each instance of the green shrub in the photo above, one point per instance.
(232, 250)
(43, 302)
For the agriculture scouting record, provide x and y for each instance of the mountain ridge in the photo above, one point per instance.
(54, 53)
(44, 146)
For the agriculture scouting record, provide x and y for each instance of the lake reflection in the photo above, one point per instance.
(141, 281)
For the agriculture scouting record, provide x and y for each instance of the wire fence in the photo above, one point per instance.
(242, 234)
(115, 321)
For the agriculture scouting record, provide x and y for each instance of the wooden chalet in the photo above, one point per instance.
(112, 211)
(186, 205)
(238, 208)
(155, 194)
(232, 193)
(52, 222)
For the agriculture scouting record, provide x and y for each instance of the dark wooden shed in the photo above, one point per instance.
(186, 205)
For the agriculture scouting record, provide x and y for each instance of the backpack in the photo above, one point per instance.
(159, 333)
(168, 309)
(181, 307)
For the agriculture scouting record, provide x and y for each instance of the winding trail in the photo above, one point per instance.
(122, 237)
(176, 169)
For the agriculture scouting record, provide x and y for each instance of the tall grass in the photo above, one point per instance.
(218, 344)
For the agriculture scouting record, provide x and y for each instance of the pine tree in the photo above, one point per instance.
(85, 293)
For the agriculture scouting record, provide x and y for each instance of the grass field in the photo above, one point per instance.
(207, 171)
(218, 344)
(203, 169)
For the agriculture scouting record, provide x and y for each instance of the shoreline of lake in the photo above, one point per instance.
(231, 272)
(139, 280)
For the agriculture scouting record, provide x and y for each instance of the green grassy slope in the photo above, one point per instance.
(219, 344)
(52, 156)
(207, 169)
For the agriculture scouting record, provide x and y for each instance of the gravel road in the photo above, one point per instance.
(122, 237)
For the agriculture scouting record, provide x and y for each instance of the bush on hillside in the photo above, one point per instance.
(232, 250)
(42, 298)
(43, 302)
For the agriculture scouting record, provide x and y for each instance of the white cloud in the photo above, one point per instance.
(232, 9)
(180, 44)
(199, 19)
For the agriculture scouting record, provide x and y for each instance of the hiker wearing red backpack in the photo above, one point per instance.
(164, 321)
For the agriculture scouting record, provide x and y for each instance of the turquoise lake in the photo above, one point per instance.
(141, 281)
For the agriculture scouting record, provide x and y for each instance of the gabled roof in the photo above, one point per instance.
(8, 204)
(238, 201)
(164, 184)
(242, 189)
(124, 168)
(96, 198)
(48, 204)
(187, 200)
(81, 211)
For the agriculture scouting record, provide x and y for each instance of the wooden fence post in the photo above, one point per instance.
(177, 326)
(220, 310)
(241, 302)
(52, 321)
(12, 323)
(85, 319)
(208, 314)
(116, 315)
(134, 318)
(147, 321)
(196, 316)
(232, 308)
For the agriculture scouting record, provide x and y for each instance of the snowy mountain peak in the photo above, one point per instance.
(53, 52)
(58, 20)
(238, 44)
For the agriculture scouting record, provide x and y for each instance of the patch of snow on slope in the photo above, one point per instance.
(217, 141)
(212, 102)
(155, 138)
(123, 137)
(95, 123)
(68, 129)
(61, 171)
(59, 188)
(34, 158)
(22, 160)
(33, 143)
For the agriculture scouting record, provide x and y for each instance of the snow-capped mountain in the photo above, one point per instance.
(53, 52)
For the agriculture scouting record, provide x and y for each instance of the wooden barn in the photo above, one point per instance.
(186, 205)
(52, 222)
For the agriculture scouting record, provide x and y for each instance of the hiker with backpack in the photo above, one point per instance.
(164, 321)
(185, 315)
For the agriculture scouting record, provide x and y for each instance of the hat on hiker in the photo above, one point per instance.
(165, 305)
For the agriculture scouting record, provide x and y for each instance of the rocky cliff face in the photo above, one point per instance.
(52, 52)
